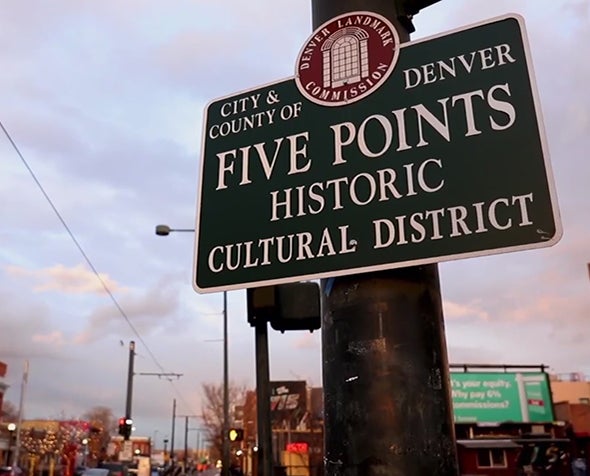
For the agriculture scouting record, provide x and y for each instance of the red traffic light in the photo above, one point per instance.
(125, 427)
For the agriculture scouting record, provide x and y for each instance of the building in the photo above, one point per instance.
(505, 424)
(296, 425)
(136, 446)
(571, 397)
(53, 446)
(6, 436)
(572, 388)
(3, 385)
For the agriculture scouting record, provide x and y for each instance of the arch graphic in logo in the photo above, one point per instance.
(347, 58)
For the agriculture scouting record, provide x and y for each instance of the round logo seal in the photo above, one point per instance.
(347, 58)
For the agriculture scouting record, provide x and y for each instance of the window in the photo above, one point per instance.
(492, 458)
(585, 400)
(345, 61)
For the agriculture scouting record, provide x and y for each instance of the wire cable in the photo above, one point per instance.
(86, 257)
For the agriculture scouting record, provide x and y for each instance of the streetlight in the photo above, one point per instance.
(85, 455)
(11, 427)
(165, 230)
(154, 440)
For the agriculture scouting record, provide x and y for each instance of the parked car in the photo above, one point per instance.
(115, 469)
(79, 470)
(95, 472)
(10, 471)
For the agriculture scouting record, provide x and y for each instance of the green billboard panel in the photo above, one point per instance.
(498, 397)
(444, 159)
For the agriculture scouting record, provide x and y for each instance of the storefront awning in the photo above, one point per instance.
(489, 443)
(523, 441)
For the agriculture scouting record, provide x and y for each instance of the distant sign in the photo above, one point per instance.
(298, 447)
(126, 453)
(288, 403)
(442, 157)
(497, 397)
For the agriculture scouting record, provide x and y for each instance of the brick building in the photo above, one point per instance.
(505, 424)
(571, 397)
(3, 385)
(5, 434)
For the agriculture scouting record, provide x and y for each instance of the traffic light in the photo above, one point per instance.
(288, 307)
(125, 427)
(235, 434)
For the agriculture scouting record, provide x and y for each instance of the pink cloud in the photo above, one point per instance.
(454, 310)
(53, 338)
(76, 280)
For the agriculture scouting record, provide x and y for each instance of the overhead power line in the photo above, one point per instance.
(85, 256)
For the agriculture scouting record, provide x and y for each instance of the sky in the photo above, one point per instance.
(105, 102)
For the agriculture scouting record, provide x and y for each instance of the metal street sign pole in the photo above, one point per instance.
(265, 454)
(387, 404)
(225, 446)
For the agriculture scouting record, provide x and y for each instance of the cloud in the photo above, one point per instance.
(145, 311)
(465, 354)
(306, 340)
(55, 338)
(106, 104)
(550, 307)
(455, 310)
(76, 280)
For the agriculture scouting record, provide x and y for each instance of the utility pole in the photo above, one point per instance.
(186, 445)
(130, 374)
(173, 430)
(21, 406)
(186, 428)
(129, 398)
(387, 402)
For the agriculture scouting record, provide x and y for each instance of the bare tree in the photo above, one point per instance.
(103, 424)
(212, 412)
(9, 412)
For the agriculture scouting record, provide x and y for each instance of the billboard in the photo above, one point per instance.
(288, 404)
(500, 397)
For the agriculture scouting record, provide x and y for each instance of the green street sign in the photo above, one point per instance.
(496, 397)
(374, 156)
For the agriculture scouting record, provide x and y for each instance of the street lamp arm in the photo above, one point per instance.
(165, 230)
